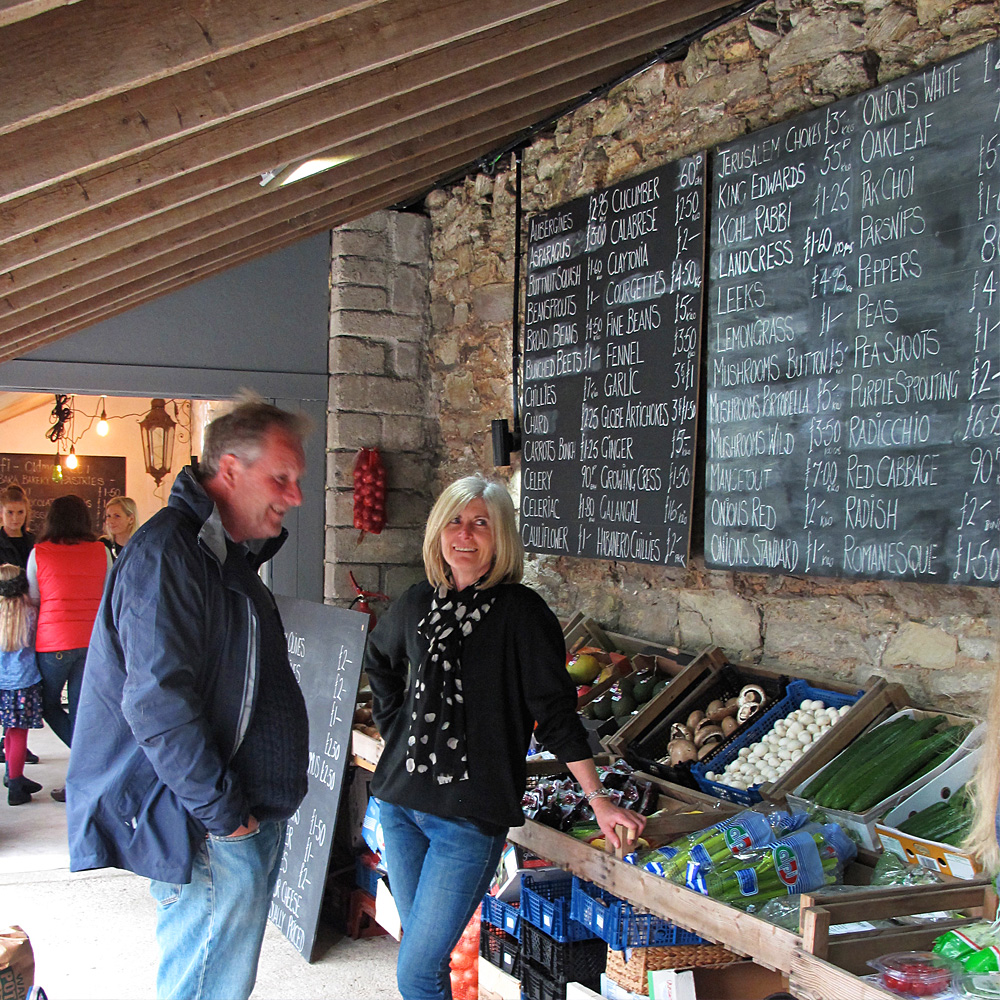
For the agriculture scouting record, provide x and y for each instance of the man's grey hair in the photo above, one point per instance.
(242, 431)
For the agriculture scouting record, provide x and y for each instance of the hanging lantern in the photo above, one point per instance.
(157, 429)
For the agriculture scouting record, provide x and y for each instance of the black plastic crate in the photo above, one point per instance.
(535, 985)
(645, 752)
(500, 949)
(564, 961)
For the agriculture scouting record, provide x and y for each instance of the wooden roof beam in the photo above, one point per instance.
(247, 81)
(487, 95)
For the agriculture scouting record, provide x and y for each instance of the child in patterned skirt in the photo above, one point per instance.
(20, 680)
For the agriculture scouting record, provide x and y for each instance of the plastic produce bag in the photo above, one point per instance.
(802, 861)
(743, 832)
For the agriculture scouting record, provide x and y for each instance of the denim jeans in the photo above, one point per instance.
(59, 669)
(439, 870)
(210, 930)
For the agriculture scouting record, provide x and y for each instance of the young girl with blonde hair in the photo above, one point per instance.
(20, 680)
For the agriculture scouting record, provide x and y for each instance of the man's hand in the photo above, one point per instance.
(242, 831)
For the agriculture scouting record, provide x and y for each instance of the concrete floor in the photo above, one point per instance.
(92, 932)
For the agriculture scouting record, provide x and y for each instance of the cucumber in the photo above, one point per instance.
(871, 771)
(894, 771)
(846, 763)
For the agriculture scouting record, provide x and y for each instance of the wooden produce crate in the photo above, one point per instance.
(583, 631)
(878, 701)
(975, 899)
(643, 740)
(937, 856)
(863, 824)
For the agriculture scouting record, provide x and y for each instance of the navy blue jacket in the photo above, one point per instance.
(168, 691)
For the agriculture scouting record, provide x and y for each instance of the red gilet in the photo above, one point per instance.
(70, 582)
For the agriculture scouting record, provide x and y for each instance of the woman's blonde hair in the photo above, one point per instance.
(129, 509)
(15, 613)
(508, 553)
(985, 784)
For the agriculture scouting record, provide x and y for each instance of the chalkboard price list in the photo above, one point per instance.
(612, 321)
(854, 336)
(325, 646)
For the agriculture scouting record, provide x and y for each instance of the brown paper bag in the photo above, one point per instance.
(17, 963)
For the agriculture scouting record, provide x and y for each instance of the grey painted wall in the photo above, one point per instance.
(263, 326)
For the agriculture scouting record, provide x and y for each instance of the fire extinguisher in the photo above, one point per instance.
(362, 600)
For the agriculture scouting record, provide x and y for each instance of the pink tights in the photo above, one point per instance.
(15, 748)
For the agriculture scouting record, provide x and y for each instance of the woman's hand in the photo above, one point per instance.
(608, 816)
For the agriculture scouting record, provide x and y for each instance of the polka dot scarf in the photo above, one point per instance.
(436, 740)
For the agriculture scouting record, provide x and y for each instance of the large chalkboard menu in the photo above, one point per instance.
(325, 646)
(853, 382)
(97, 479)
(612, 324)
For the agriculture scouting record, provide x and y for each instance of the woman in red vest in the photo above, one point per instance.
(66, 571)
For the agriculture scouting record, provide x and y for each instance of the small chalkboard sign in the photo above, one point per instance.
(611, 369)
(97, 479)
(325, 646)
(853, 372)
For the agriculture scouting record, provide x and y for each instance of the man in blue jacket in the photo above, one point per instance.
(191, 748)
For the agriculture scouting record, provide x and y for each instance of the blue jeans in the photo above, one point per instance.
(439, 870)
(210, 930)
(58, 670)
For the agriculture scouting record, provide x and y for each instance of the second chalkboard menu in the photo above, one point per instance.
(853, 410)
(612, 323)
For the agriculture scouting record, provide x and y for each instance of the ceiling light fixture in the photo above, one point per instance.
(299, 171)
(71, 460)
(102, 424)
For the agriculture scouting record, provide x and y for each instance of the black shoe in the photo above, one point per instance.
(17, 793)
(59, 794)
(29, 757)
(26, 783)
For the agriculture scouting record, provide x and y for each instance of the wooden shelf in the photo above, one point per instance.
(800, 957)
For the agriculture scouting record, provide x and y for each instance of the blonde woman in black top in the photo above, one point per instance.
(462, 667)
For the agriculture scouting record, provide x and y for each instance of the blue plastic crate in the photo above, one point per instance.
(503, 915)
(366, 878)
(797, 692)
(616, 922)
(546, 905)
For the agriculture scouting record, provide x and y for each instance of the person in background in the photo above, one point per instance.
(461, 667)
(120, 520)
(984, 836)
(15, 539)
(66, 571)
(20, 681)
(191, 748)
(15, 547)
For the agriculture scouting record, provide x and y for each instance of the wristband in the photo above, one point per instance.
(598, 793)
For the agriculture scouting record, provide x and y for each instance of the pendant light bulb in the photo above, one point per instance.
(57, 471)
(71, 460)
(102, 424)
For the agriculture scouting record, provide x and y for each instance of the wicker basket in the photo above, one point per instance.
(632, 974)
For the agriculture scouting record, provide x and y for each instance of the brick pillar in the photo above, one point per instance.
(379, 326)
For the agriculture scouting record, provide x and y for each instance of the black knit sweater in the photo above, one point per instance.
(513, 673)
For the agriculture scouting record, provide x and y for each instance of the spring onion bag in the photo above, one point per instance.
(802, 861)
(743, 832)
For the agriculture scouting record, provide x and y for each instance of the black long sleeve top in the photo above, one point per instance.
(513, 674)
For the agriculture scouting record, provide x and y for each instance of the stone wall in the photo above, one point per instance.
(379, 323)
(786, 57)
